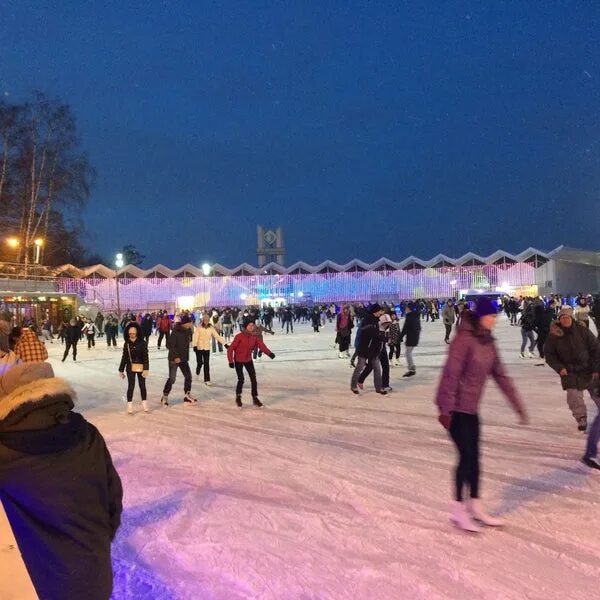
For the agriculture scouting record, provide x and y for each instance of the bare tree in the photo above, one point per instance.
(52, 171)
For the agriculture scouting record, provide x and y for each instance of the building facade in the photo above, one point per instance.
(531, 272)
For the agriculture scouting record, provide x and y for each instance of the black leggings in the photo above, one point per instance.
(239, 369)
(541, 340)
(131, 385)
(394, 348)
(203, 360)
(464, 430)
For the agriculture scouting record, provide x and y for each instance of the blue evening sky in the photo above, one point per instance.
(364, 129)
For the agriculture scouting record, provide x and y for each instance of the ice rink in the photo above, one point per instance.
(327, 495)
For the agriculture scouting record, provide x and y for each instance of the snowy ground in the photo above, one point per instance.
(325, 495)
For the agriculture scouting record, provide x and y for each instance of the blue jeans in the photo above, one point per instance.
(591, 450)
(527, 335)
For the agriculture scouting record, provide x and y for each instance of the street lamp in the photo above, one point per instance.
(119, 263)
(206, 269)
(38, 243)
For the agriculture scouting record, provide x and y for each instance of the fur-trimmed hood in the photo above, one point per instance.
(557, 330)
(53, 394)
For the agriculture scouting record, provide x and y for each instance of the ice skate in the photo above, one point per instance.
(164, 400)
(530, 355)
(341, 355)
(354, 391)
(189, 399)
(208, 383)
(409, 373)
(238, 401)
(130, 408)
(462, 519)
(592, 463)
(145, 406)
(257, 402)
(522, 354)
(478, 513)
(361, 386)
(582, 424)
(382, 392)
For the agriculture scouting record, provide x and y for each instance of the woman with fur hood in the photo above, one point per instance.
(135, 362)
(472, 358)
(59, 488)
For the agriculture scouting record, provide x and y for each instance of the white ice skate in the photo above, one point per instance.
(208, 383)
(478, 513)
(145, 406)
(130, 408)
(462, 519)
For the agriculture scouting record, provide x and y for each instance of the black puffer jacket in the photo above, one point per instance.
(60, 491)
(575, 349)
(370, 339)
(412, 328)
(179, 343)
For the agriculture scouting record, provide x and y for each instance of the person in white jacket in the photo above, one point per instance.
(203, 334)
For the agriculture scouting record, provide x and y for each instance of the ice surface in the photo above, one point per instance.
(326, 495)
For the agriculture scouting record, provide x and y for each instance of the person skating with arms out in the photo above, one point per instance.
(203, 334)
(472, 358)
(239, 355)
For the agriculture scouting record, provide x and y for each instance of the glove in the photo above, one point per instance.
(231, 365)
(271, 356)
(195, 348)
(226, 346)
(145, 374)
(445, 420)
(121, 375)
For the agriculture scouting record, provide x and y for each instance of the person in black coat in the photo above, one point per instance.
(59, 488)
(147, 327)
(412, 332)
(72, 336)
(370, 343)
(135, 353)
(179, 358)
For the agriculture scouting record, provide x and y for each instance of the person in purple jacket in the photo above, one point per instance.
(472, 357)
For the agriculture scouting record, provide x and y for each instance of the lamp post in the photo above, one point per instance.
(119, 263)
(37, 244)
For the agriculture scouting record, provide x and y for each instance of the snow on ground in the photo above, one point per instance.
(326, 495)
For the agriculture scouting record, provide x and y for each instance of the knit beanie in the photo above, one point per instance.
(485, 306)
(24, 373)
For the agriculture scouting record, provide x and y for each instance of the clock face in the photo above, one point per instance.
(270, 237)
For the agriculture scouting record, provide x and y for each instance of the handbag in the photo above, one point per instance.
(135, 367)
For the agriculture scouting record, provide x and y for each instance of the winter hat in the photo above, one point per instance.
(373, 308)
(24, 373)
(565, 311)
(247, 322)
(185, 318)
(485, 306)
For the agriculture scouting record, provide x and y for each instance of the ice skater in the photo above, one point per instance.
(135, 363)
(472, 358)
(179, 358)
(239, 355)
(573, 351)
(412, 332)
(203, 334)
(371, 340)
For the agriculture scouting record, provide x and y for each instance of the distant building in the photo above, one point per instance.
(270, 246)
(530, 273)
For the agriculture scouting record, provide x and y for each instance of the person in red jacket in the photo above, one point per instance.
(239, 355)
